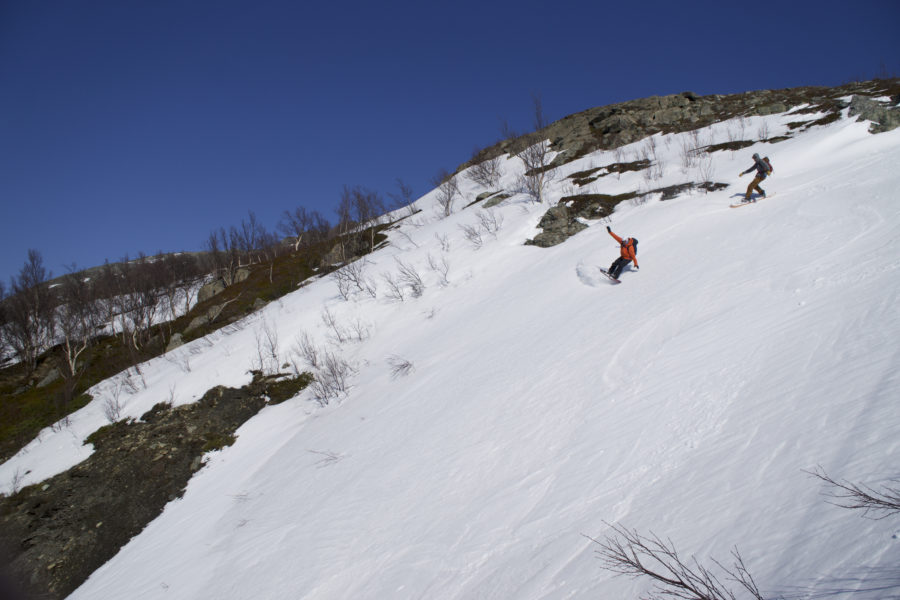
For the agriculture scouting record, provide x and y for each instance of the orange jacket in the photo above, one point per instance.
(626, 247)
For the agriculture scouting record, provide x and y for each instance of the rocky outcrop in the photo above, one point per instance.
(216, 287)
(608, 127)
(56, 533)
(884, 116)
(558, 225)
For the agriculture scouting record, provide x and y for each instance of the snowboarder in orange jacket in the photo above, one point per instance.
(628, 251)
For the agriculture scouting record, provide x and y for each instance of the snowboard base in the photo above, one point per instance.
(610, 277)
(753, 201)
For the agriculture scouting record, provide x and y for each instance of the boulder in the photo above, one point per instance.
(210, 289)
(883, 117)
(174, 342)
(208, 317)
(558, 226)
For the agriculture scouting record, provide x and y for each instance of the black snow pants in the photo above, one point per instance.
(617, 266)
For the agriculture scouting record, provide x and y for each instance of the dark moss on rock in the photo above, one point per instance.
(53, 535)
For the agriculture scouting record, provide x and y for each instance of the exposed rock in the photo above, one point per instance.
(608, 127)
(208, 290)
(214, 288)
(564, 220)
(883, 117)
(49, 378)
(55, 534)
(343, 252)
(558, 225)
(208, 317)
(174, 342)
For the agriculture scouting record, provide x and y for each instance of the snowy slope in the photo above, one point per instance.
(545, 404)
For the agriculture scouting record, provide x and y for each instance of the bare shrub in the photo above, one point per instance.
(328, 458)
(344, 285)
(332, 379)
(706, 169)
(400, 367)
(490, 221)
(690, 149)
(330, 320)
(359, 330)
(447, 191)
(879, 504)
(29, 311)
(351, 279)
(472, 235)
(648, 153)
(304, 348)
(441, 267)
(629, 553)
(305, 227)
(763, 131)
(268, 357)
(486, 173)
(402, 233)
(395, 289)
(536, 157)
(410, 277)
(444, 241)
(181, 359)
(620, 158)
(403, 198)
(128, 383)
(15, 483)
(170, 399)
(112, 406)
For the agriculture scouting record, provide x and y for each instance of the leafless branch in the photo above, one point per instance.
(400, 367)
(411, 278)
(629, 553)
(441, 267)
(491, 221)
(395, 289)
(878, 504)
(472, 235)
(330, 320)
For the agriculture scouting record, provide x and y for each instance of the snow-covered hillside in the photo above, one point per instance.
(543, 404)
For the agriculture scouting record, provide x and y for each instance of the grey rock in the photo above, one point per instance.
(174, 342)
(558, 225)
(49, 378)
(210, 289)
(214, 288)
(208, 317)
(883, 117)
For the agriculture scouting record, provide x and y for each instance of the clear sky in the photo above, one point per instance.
(131, 127)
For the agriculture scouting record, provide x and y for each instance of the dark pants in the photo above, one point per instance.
(617, 266)
(754, 185)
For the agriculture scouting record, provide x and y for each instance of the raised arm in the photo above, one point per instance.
(618, 239)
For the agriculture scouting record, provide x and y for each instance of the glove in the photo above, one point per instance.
(608, 229)
(741, 175)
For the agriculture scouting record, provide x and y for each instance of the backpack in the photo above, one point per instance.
(768, 164)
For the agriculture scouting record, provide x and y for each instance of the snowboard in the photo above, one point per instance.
(754, 201)
(610, 277)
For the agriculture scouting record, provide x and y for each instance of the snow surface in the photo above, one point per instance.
(545, 405)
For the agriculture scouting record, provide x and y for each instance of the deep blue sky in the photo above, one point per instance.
(141, 126)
